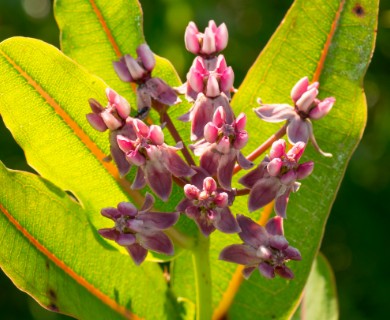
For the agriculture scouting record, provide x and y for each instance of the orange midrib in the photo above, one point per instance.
(99, 154)
(69, 271)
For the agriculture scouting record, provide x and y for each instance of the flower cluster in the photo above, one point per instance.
(219, 137)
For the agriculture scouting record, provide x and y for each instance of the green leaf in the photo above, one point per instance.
(43, 101)
(50, 250)
(319, 299)
(330, 41)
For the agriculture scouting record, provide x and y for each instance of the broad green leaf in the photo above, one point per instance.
(328, 41)
(319, 299)
(50, 250)
(43, 101)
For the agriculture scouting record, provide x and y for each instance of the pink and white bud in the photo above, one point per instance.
(209, 185)
(304, 170)
(305, 102)
(208, 45)
(135, 158)
(227, 80)
(221, 199)
(125, 144)
(219, 117)
(140, 128)
(156, 135)
(210, 132)
(191, 38)
(241, 140)
(240, 122)
(121, 105)
(322, 108)
(221, 37)
(299, 88)
(296, 151)
(223, 146)
(212, 88)
(274, 166)
(191, 192)
(136, 71)
(195, 80)
(278, 149)
(146, 56)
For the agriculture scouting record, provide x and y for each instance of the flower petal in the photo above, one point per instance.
(139, 181)
(244, 162)
(267, 270)
(297, 130)
(160, 181)
(225, 170)
(239, 253)
(281, 203)
(252, 233)
(127, 209)
(246, 272)
(275, 226)
(314, 142)
(284, 272)
(156, 241)
(175, 164)
(209, 161)
(251, 178)
(118, 155)
(158, 220)
(111, 213)
(109, 233)
(125, 239)
(96, 121)
(263, 192)
(275, 112)
(159, 90)
(226, 222)
(137, 253)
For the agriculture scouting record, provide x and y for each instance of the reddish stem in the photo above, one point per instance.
(261, 149)
(242, 192)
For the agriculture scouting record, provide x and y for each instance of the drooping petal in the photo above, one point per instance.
(305, 169)
(109, 233)
(160, 181)
(284, 272)
(297, 130)
(244, 162)
(156, 241)
(263, 192)
(281, 202)
(251, 178)
(148, 203)
(275, 112)
(314, 142)
(122, 71)
(267, 270)
(183, 205)
(246, 272)
(209, 161)
(118, 155)
(137, 253)
(96, 121)
(139, 181)
(202, 114)
(278, 242)
(225, 170)
(204, 224)
(175, 164)
(226, 222)
(252, 233)
(158, 220)
(292, 253)
(111, 213)
(239, 253)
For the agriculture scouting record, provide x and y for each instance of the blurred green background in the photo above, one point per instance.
(356, 236)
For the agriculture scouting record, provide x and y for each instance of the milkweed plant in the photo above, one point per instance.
(204, 199)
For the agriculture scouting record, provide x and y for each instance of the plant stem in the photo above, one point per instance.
(242, 192)
(165, 118)
(260, 150)
(200, 258)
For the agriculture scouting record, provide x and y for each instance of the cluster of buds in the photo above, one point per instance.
(149, 88)
(219, 138)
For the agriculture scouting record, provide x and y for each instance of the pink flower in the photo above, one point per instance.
(213, 40)
(275, 177)
(139, 71)
(220, 148)
(208, 207)
(306, 107)
(140, 230)
(156, 161)
(265, 249)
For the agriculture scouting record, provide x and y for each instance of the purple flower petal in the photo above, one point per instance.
(111, 213)
(127, 209)
(274, 226)
(146, 56)
(209, 161)
(202, 114)
(226, 222)
(183, 205)
(139, 181)
(158, 220)
(159, 90)
(252, 233)
(275, 112)
(322, 109)
(246, 272)
(263, 192)
(148, 203)
(118, 155)
(125, 239)
(239, 253)
(225, 170)
(160, 181)
(305, 169)
(122, 71)
(205, 225)
(175, 164)
(299, 88)
(244, 162)
(266, 270)
(298, 130)
(96, 107)
(96, 121)
(281, 202)
(137, 253)
(292, 253)
(109, 233)
(284, 272)
(251, 178)
(156, 241)
(278, 242)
